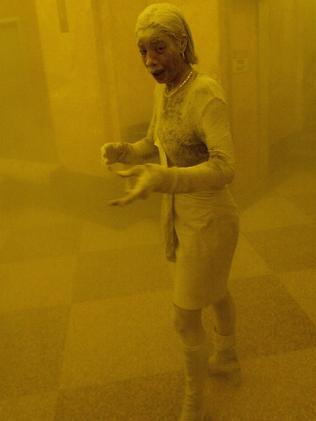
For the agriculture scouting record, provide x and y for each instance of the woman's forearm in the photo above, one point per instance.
(139, 151)
(213, 174)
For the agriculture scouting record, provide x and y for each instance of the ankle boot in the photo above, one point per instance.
(193, 408)
(224, 359)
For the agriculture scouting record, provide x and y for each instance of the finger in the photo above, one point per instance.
(123, 200)
(136, 170)
(108, 151)
(104, 149)
(107, 163)
(120, 202)
(133, 195)
(115, 202)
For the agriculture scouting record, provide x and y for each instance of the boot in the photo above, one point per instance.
(193, 408)
(224, 360)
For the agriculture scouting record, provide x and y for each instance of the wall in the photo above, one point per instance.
(239, 61)
(264, 71)
(287, 48)
(127, 82)
(25, 125)
(71, 67)
(202, 17)
(285, 69)
(308, 47)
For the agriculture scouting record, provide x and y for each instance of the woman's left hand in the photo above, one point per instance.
(148, 178)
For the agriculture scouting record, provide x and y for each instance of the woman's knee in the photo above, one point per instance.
(222, 303)
(186, 320)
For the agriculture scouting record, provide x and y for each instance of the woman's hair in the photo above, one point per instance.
(168, 18)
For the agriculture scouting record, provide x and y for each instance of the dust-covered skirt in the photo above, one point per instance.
(201, 233)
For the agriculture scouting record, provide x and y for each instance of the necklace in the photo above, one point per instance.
(172, 92)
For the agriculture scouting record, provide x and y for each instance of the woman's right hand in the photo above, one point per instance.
(112, 153)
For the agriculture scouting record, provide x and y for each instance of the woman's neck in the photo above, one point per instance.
(181, 77)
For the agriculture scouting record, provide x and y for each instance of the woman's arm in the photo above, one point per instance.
(143, 149)
(139, 151)
(215, 173)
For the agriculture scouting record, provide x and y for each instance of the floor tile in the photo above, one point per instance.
(301, 285)
(30, 217)
(30, 408)
(36, 283)
(97, 237)
(286, 249)
(306, 203)
(31, 350)
(269, 319)
(120, 272)
(154, 398)
(106, 340)
(86, 197)
(247, 262)
(272, 388)
(272, 211)
(41, 242)
(118, 339)
(275, 388)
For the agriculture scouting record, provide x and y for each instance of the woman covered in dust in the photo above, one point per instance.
(190, 132)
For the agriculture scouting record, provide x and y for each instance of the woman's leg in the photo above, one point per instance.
(224, 359)
(188, 325)
(225, 316)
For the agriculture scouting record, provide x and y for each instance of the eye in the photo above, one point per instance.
(160, 49)
(142, 52)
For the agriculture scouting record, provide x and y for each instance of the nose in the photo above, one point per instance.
(150, 59)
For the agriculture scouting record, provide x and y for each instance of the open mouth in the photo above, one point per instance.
(157, 73)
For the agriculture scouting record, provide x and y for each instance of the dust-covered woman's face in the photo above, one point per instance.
(161, 55)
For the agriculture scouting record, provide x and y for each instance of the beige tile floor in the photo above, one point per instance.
(86, 314)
